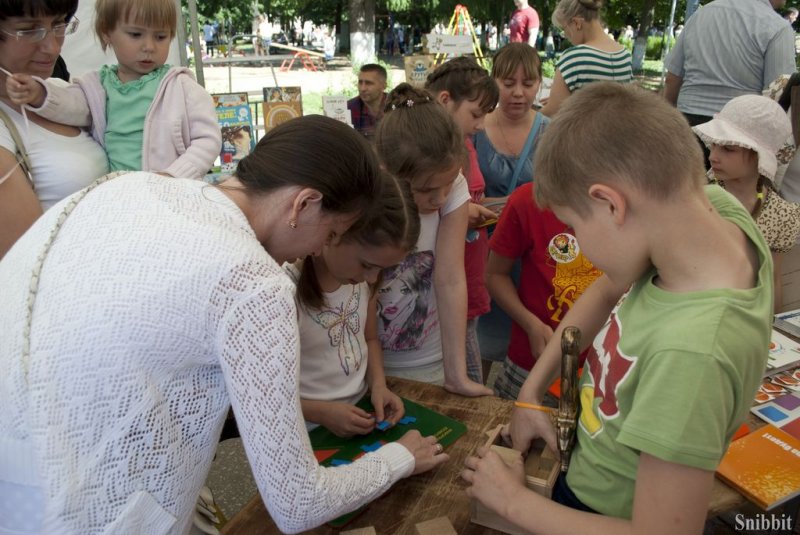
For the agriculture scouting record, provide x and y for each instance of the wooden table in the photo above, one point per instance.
(439, 492)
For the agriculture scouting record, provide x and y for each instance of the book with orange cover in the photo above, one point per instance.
(764, 466)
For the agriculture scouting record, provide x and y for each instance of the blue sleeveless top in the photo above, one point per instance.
(498, 168)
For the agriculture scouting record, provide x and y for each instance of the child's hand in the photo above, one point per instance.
(495, 204)
(467, 387)
(388, 405)
(492, 482)
(539, 333)
(478, 215)
(345, 420)
(427, 452)
(528, 424)
(23, 89)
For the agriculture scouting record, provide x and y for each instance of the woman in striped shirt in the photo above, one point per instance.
(595, 56)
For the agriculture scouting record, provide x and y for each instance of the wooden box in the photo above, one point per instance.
(541, 469)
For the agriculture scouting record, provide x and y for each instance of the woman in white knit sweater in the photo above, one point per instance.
(158, 304)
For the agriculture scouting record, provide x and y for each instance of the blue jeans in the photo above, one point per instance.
(494, 327)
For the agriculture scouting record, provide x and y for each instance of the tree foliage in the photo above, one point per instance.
(426, 13)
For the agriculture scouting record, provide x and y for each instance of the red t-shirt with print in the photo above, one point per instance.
(553, 273)
(522, 21)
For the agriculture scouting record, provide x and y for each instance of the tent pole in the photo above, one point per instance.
(181, 37)
(198, 53)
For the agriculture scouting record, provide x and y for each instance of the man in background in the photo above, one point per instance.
(524, 25)
(367, 108)
(728, 48)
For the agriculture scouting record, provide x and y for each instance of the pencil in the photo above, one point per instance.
(524, 405)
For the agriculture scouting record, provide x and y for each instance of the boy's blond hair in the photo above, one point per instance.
(148, 13)
(622, 135)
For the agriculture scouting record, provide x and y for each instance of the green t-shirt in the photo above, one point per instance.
(672, 375)
(126, 108)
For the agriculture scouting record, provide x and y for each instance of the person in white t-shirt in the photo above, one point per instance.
(423, 301)
(63, 158)
(341, 357)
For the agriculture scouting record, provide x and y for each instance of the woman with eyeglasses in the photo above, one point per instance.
(63, 159)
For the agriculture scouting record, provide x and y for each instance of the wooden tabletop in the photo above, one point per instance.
(439, 492)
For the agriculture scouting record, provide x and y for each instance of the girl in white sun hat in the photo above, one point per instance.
(745, 139)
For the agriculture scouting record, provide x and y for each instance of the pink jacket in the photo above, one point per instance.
(181, 133)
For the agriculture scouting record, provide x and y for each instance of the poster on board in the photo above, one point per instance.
(236, 125)
(281, 104)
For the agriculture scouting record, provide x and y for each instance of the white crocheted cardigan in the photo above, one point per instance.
(157, 308)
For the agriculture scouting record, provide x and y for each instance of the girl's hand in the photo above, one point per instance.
(345, 420)
(495, 204)
(427, 452)
(467, 387)
(492, 482)
(388, 405)
(478, 215)
(528, 424)
(22, 89)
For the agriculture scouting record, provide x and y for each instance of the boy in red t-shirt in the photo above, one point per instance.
(554, 274)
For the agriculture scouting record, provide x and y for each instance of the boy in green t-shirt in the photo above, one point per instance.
(679, 324)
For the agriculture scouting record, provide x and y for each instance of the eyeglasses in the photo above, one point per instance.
(38, 34)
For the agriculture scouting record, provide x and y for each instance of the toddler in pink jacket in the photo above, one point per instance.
(147, 115)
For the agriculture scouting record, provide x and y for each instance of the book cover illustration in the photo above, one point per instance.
(782, 412)
(764, 466)
(335, 451)
(281, 104)
(788, 322)
(236, 125)
(778, 384)
(784, 353)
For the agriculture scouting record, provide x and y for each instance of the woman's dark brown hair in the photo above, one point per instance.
(314, 152)
(37, 8)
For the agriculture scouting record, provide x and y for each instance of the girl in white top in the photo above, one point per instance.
(159, 305)
(341, 355)
(63, 159)
(418, 141)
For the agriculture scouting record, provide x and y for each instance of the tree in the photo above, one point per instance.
(640, 44)
(362, 31)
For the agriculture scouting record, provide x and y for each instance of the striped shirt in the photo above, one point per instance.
(583, 64)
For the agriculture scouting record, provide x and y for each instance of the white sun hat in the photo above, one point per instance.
(754, 122)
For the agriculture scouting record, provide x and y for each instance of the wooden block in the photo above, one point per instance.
(541, 472)
(508, 455)
(437, 526)
(360, 531)
(483, 516)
